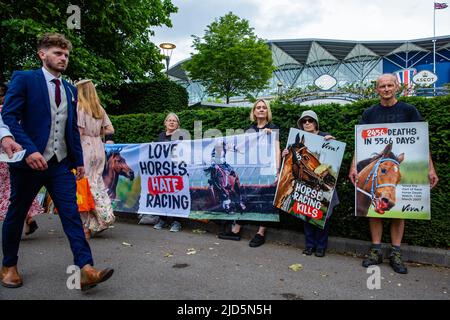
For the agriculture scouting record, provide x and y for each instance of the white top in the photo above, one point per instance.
(4, 130)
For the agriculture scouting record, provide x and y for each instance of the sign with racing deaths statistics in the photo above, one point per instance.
(392, 163)
(308, 176)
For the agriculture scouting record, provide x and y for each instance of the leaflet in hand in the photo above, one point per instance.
(17, 156)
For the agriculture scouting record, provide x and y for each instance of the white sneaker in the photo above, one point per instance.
(175, 226)
(148, 219)
(161, 224)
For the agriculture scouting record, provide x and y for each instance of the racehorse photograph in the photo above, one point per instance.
(300, 164)
(225, 187)
(308, 176)
(377, 182)
(115, 166)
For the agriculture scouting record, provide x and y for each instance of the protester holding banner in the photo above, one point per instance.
(316, 239)
(36, 208)
(261, 116)
(389, 110)
(93, 123)
(172, 124)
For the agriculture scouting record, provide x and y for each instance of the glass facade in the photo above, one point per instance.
(300, 62)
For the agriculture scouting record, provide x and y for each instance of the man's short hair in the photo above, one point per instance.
(49, 40)
(385, 75)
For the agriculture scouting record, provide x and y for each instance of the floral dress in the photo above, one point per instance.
(35, 209)
(94, 162)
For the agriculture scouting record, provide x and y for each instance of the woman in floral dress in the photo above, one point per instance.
(93, 123)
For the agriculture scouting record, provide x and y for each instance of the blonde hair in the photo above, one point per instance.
(172, 114)
(88, 100)
(269, 112)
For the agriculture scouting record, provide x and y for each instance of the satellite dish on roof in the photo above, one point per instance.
(325, 82)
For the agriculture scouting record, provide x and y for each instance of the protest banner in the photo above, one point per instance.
(392, 163)
(308, 176)
(226, 178)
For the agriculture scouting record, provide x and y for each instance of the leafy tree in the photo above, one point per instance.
(296, 94)
(363, 90)
(230, 59)
(112, 46)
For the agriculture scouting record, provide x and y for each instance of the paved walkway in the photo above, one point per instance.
(151, 264)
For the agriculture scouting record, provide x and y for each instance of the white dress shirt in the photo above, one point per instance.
(4, 130)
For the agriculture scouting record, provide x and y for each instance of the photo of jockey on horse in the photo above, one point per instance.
(223, 179)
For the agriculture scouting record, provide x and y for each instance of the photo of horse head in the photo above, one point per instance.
(115, 166)
(377, 181)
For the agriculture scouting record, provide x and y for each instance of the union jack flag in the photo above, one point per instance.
(405, 78)
(440, 5)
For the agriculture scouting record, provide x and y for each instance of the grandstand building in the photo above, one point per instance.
(302, 63)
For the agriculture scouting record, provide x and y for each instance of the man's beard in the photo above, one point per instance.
(56, 67)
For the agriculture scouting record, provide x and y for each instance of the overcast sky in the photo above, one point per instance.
(297, 19)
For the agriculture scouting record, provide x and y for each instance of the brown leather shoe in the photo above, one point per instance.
(11, 278)
(90, 277)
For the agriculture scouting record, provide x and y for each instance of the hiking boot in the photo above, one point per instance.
(175, 226)
(308, 251)
(395, 260)
(160, 225)
(374, 257)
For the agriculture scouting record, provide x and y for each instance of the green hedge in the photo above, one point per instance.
(339, 121)
(150, 97)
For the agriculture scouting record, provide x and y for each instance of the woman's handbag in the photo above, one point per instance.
(85, 200)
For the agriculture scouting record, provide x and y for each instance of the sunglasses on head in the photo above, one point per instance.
(305, 120)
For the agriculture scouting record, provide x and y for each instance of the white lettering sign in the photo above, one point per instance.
(424, 78)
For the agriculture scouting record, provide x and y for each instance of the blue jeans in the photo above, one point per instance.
(316, 237)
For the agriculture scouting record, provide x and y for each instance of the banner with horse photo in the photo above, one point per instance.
(308, 176)
(226, 178)
(392, 163)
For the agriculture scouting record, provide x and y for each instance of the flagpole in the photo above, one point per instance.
(434, 45)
